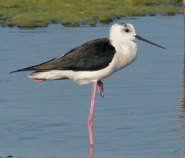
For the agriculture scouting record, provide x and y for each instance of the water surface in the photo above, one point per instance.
(139, 116)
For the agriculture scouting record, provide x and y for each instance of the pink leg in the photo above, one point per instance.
(90, 121)
(100, 87)
(91, 151)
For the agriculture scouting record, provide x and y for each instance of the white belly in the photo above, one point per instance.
(81, 77)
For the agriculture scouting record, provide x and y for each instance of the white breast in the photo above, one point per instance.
(126, 53)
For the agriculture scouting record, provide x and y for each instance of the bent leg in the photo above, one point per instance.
(100, 87)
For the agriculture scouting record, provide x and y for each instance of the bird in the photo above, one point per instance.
(92, 61)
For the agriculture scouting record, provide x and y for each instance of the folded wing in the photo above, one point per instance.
(91, 56)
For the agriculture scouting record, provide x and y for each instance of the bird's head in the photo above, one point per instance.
(125, 31)
(122, 31)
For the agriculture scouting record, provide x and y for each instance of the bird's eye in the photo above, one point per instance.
(126, 30)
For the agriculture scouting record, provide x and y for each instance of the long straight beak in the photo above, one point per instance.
(142, 39)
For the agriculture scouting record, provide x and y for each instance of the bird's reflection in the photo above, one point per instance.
(91, 151)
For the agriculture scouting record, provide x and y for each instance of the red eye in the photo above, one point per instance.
(126, 30)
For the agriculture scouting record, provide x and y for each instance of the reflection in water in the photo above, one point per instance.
(182, 106)
(91, 151)
(183, 86)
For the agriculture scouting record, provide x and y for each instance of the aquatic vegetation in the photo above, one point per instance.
(40, 13)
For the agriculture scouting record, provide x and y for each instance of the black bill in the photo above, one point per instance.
(140, 38)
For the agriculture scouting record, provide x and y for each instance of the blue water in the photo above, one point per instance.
(139, 116)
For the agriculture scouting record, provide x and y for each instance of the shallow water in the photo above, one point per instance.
(139, 116)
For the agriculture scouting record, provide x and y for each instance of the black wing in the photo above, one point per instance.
(93, 55)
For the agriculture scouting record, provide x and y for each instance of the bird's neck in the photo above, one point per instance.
(124, 45)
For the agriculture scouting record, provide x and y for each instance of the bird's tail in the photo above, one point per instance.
(31, 68)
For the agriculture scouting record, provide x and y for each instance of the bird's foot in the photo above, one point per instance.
(100, 87)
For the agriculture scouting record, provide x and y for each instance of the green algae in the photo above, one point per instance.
(40, 13)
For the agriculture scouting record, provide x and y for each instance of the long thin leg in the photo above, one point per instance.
(90, 121)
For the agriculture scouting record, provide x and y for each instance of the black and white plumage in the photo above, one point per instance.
(94, 60)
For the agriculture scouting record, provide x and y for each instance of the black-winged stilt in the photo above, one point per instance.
(92, 62)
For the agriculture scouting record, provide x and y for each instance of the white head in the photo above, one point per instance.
(122, 31)
(126, 32)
